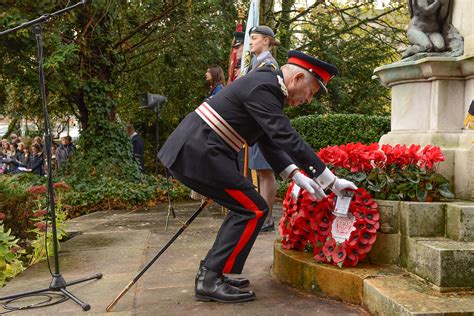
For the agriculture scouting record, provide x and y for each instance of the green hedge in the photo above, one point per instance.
(320, 131)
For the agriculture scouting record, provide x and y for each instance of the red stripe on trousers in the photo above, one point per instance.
(240, 197)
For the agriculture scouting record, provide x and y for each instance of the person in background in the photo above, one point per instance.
(64, 150)
(26, 155)
(35, 164)
(38, 140)
(215, 78)
(138, 146)
(262, 39)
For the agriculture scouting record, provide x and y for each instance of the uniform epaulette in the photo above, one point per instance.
(267, 64)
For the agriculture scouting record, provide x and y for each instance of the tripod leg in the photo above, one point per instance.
(84, 306)
(3, 298)
(98, 276)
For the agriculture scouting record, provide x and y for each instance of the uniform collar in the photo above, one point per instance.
(281, 82)
(263, 55)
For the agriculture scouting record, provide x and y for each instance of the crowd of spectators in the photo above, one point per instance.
(19, 154)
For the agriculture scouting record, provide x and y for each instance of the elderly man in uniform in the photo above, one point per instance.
(202, 154)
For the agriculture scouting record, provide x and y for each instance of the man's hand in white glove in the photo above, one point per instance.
(328, 180)
(341, 185)
(309, 185)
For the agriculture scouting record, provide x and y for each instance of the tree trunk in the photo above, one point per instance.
(285, 26)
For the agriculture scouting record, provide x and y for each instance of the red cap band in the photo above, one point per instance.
(326, 76)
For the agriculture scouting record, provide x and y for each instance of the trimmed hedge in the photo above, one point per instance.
(320, 131)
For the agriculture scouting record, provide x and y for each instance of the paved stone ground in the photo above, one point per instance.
(119, 243)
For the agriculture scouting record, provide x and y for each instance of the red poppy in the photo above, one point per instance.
(339, 254)
(366, 237)
(371, 216)
(372, 228)
(329, 247)
(363, 248)
(319, 255)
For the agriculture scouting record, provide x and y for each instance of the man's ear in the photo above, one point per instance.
(298, 76)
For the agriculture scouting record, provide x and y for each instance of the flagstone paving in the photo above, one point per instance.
(119, 243)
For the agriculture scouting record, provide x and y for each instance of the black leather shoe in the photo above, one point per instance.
(237, 282)
(210, 286)
(268, 227)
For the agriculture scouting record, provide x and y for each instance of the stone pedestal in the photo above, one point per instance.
(430, 98)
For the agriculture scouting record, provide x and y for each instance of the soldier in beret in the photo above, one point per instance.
(262, 39)
(202, 154)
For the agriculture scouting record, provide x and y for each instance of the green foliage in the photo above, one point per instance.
(42, 244)
(10, 252)
(357, 37)
(111, 193)
(320, 131)
(410, 184)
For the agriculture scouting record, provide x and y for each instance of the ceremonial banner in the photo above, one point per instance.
(252, 20)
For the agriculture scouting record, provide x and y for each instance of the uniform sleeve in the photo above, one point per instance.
(266, 107)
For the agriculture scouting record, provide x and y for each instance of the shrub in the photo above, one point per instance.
(15, 202)
(320, 131)
(10, 252)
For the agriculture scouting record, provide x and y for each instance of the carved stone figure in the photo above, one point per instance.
(430, 30)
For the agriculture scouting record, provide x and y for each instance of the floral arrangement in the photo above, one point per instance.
(399, 172)
(307, 224)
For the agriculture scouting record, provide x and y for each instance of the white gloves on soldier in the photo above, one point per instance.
(309, 185)
(316, 186)
(341, 185)
(335, 184)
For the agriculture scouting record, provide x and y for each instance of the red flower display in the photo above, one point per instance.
(61, 185)
(308, 222)
(37, 190)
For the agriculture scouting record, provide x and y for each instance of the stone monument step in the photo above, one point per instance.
(408, 295)
(446, 263)
(460, 221)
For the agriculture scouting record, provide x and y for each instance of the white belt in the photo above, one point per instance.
(220, 126)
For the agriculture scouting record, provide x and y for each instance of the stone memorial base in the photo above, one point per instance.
(430, 98)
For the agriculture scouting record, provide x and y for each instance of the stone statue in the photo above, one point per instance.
(430, 30)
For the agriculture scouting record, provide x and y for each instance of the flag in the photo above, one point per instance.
(252, 20)
(233, 58)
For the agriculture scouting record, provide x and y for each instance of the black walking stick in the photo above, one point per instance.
(138, 276)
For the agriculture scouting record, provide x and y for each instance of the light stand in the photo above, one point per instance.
(154, 102)
(58, 284)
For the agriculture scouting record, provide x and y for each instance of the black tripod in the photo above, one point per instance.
(58, 284)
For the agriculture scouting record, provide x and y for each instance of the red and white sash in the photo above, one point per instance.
(220, 126)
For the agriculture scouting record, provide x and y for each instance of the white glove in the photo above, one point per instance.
(337, 185)
(309, 185)
(341, 185)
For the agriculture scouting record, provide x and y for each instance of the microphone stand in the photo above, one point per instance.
(58, 284)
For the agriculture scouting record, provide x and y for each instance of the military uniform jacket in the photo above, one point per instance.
(253, 106)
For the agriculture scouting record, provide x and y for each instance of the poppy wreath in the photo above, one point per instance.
(307, 225)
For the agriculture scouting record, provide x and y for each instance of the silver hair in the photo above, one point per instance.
(293, 69)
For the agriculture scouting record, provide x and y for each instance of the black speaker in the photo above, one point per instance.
(151, 101)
